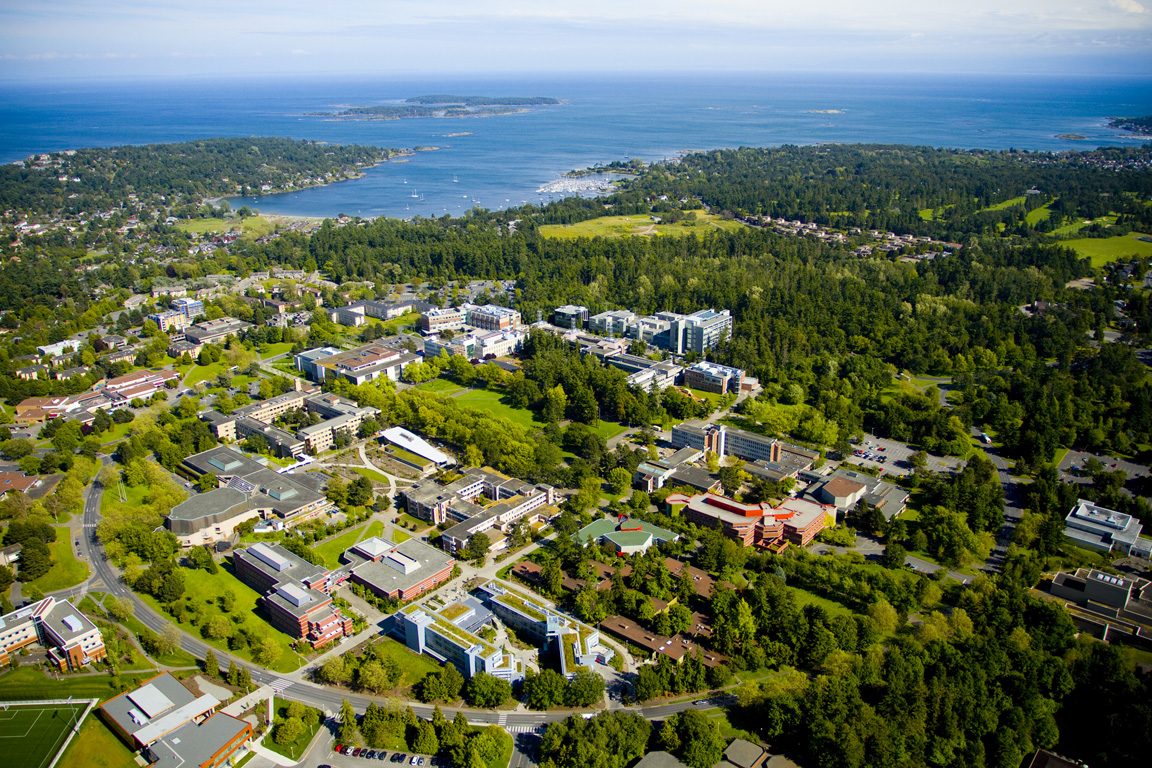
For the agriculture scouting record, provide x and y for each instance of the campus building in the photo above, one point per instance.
(626, 537)
(338, 414)
(250, 490)
(448, 635)
(476, 344)
(570, 317)
(723, 440)
(403, 571)
(795, 521)
(509, 501)
(296, 593)
(358, 366)
(491, 317)
(644, 373)
(433, 321)
(215, 331)
(575, 643)
(71, 640)
(845, 488)
(1105, 530)
(713, 377)
(172, 727)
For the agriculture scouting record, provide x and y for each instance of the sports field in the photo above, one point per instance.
(33, 733)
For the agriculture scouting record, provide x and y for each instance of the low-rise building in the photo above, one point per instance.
(491, 317)
(403, 571)
(570, 316)
(1105, 530)
(296, 593)
(476, 344)
(441, 634)
(626, 536)
(575, 643)
(794, 521)
(215, 331)
(611, 323)
(713, 377)
(433, 321)
(646, 374)
(172, 727)
(844, 488)
(70, 639)
(359, 365)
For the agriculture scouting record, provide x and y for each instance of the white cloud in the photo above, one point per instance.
(1131, 6)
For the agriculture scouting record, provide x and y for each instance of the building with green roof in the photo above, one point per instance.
(627, 537)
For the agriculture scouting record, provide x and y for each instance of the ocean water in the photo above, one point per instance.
(504, 160)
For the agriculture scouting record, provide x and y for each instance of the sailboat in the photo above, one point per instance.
(415, 195)
(455, 180)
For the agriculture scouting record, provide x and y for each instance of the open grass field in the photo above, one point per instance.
(31, 683)
(1005, 204)
(440, 386)
(252, 227)
(371, 474)
(331, 550)
(272, 350)
(66, 570)
(109, 501)
(1040, 214)
(804, 597)
(204, 589)
(413, 666)
(205, 373)
(34, 733)
(294, 749)
(490, 402)
(1105, 249)
(95, 746)
(640, 224)
(608, 429)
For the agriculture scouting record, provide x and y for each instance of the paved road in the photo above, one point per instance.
(105, 577)
(1013, 508)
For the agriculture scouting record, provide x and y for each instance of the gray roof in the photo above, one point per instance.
(205, 509)
(743, 753)
(164, 684)
(196, 744)
(693, 476)
(659, 759)
(66, 621)
(222, 460)
(297, 567)
(388, 579)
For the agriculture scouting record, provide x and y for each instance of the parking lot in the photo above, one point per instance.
(894, 457)
(1072, 466)
(328, 756)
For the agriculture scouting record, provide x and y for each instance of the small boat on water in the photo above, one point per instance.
(414, 195)
(455, 180)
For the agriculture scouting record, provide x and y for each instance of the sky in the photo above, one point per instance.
(206, 38)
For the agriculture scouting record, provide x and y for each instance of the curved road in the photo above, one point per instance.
(316, 695)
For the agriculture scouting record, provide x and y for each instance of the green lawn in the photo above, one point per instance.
(330, 550)
(117, 432)
(695, 222)
(66, 570)
(1005, 204)
(608, 429)
(490, 402)
(371, 474)
(178, 658)
(407, 520)
(413, 666)
(294, 749)
(1105, 249)
(206, 373)
(95, 746)
(203, 589)
(110, 501)
(36, 732)
(31, 683)
(442, 386)
(804, 597)
(272, 350)
(252, 227)
(1036, 216)
(399, 535)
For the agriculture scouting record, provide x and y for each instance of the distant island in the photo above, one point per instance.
(1140, 125)
(1071, 137)
(441, 105)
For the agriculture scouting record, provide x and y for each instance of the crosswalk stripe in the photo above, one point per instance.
(280, 684)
